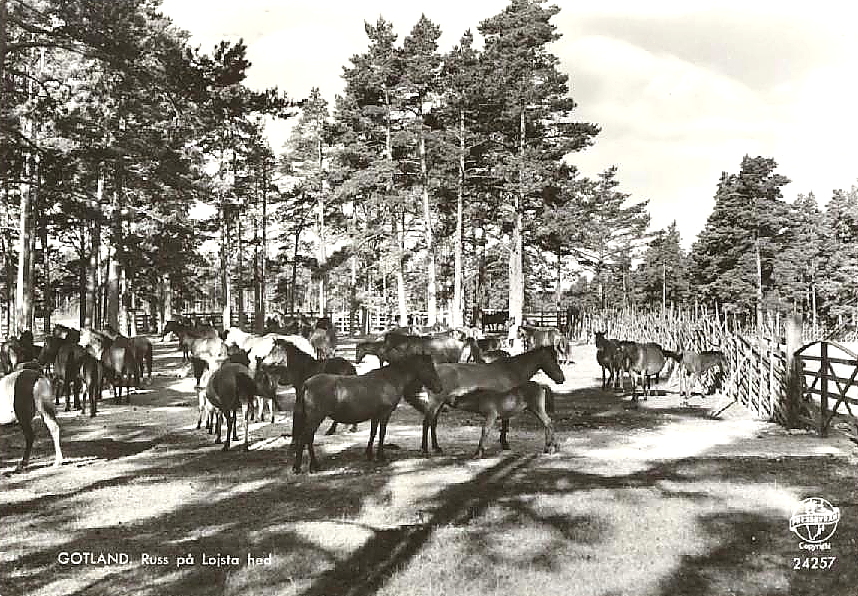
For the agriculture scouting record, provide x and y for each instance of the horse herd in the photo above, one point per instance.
(238, 371)
(643, 361)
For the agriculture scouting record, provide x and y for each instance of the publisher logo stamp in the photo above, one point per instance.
(814, 521)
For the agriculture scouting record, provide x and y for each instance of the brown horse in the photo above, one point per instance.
(23, 395)
(532, 396)
(352, 399)
(607, 357)
(228, 388)
(647, 360)
(694, 364)
(287, 365)
(500, 375)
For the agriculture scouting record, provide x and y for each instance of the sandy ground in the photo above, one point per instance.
(653, 499)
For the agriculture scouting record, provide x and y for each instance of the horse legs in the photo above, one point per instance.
(332, 429)
(550, 441)
(488, 423)
(248, 408)
(54, 428)
(379, 452)
(29, 437)
(217, 427)
(373, 428)
(230, 426)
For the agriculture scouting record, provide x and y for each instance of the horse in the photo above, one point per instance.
(606, 356)
(376, 348)
(287, 365)
(535, 337)
(323, 338)
(695, 364)
(90, 375)
(228, 388)
(24, 394)
(500, 375)
(119, 359)
(185, 332)
(65, 356)
(142, 349)
(531, 396)
(258, 346)
(63, 332)
(647, 360)
(442, 348)
(351, 399)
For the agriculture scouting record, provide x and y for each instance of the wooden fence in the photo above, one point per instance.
(828, 373)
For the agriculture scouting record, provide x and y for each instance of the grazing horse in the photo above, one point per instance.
(442, 348)
(531, 396)
(694, 364)
(351, 399)
(500, 375)
(536, 337)
(24, 394)
(90, 375)
(185, 333)
(323, 338)
(376, 348)
(646, 360)
(287, 365)
(65, 357)
(228, 388)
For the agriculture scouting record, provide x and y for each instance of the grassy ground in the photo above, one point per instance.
(652, 500)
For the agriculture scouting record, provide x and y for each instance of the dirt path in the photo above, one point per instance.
(657, 499)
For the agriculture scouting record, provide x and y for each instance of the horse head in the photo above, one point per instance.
(424, 369)
(550, 365)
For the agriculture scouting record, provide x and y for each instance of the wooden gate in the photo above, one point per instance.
(828, 374)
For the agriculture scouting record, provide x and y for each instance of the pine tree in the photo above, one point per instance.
(528, 117)
(733, 257)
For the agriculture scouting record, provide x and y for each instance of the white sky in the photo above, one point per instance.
(682, 90)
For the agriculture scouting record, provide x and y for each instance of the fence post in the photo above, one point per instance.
(793, 370)
(823, 388)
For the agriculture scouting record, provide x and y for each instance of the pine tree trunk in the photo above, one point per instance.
(458, 315)
(261, 310)
(47, 292)
(167, 306)
(113, 271)
(431, 281)
(516, 253)
(92, 317)
(23, 291)
(294, 271)
(322, 255)
(225, 278)
(401, 298)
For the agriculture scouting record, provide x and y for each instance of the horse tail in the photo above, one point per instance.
(549, 399)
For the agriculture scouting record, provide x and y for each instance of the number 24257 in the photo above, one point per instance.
(813, 562)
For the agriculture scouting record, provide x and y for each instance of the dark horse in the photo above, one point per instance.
(352, 399)
(65, 355)
(118, 358)
(532, 396)
(228, 388)
(376, 348)
(23, 395)
(500, 375)
(287, 365)
(647, 360)
(442, 347)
